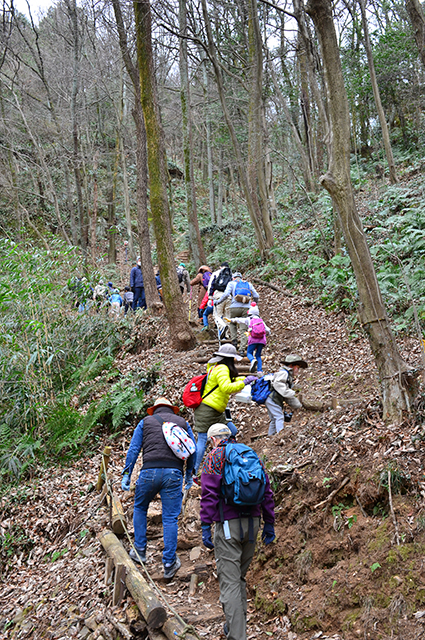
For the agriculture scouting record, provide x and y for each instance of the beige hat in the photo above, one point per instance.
(293, 360)
(225, 351)
(161, 402)
(218, 430)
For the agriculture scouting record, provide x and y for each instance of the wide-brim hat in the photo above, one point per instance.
(225, 351)
(237, 274)
(295, 361)
(161, 402)
(204, 267)
(218, 430)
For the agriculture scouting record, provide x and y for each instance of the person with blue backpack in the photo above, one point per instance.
(235, 493)
(241, 292)
(257, 337)
(162, 472)
(275, 391)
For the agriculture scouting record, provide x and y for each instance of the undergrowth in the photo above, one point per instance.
(58, 384)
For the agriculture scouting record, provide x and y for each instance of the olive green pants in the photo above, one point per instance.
(236, 328)
(233, 558)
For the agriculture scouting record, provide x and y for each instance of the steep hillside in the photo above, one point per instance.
(348, 559)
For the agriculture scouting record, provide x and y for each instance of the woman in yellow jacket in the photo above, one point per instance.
(223, 380)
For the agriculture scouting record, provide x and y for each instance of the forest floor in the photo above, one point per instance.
(344, 564)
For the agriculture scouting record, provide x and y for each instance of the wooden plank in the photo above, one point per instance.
(119, 583)
(150, 607)
(103, 467)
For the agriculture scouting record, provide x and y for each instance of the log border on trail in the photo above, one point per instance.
(264, 283)
(150, 607)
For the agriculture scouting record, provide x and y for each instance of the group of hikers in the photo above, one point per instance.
(235, 488)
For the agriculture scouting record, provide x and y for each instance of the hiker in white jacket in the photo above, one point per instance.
(282, 392)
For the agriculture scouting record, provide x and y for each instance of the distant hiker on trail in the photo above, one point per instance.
(257, 332)
(183, 276)
(223, 380)
(158, 285)
(137, 286)
(241, 292)
(281, 392)
(100, 294)
(116, 303)
(235, 525)
(128, 299)
(162, 472)
(201, 279)
(216, 287)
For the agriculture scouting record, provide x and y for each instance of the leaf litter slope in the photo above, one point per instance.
(335, 569)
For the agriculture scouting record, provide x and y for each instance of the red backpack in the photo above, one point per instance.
(194, 390)
(257, 329)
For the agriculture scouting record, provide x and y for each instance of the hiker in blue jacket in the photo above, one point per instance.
(162, 472)
(137, 286)
(241, 292)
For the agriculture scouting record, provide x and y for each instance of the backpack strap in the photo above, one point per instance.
(211, 390)
(161, 422)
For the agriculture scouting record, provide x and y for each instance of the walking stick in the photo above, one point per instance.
(190, 302)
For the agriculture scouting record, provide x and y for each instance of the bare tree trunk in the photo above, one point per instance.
(93, 217)
(151, 292)
(417, 18)
(220, 189)
(397, 384)
(305, 165)
(126, 198)
(210, 163)
(196, 246)
(253, 211)
(181, 334)
(71, 6)
(377, 97)
(256, 153)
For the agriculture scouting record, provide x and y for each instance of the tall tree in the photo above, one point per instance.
(397, 383)
(417, 18)
(263, 240)
(141, 164)
(376, 95)
(181, 334)
(196, 246)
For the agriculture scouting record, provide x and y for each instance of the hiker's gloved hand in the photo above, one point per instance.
(206, 536)
(125, 482)
(268, 534)
(250, 379)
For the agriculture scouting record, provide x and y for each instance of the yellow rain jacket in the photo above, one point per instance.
(219, 375)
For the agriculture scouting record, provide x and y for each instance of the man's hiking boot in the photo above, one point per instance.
(253, 366)
(171, 570)
(196, 480)
(139, 557)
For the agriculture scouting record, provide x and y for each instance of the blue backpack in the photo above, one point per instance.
(244, 479)
(261, 390)
(242, 292)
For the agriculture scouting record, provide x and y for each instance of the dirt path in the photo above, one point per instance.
(315, 581)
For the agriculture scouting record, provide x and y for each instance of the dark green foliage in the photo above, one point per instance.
(56, 365)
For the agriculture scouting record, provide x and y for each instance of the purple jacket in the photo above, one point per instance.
(211, 492)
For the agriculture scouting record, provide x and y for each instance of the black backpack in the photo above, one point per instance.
(223, 279)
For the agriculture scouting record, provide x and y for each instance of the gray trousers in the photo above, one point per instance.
(276, 412)
(238, 327)
(233, 558)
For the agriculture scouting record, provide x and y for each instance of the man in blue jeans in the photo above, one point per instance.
(162, 473)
